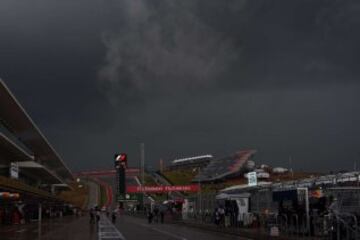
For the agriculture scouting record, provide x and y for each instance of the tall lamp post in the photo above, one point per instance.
(199, 185)
(142, 168)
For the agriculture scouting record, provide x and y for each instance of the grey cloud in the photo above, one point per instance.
(164, 49)
(199, 45)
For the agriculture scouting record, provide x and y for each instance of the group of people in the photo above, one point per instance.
(95, 215)
(226, 216)
(219, 216)
(154, 215)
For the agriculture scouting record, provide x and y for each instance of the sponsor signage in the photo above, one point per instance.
(252, 179)
(120, 166)
(163, 189)
(14, 170)
(120, 160)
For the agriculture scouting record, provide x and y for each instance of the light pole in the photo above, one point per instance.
(39, 219)
(199, 185)
(142, 168)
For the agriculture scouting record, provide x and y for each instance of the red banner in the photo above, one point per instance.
(163, 189)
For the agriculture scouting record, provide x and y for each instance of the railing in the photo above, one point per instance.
(294, 226)
(345, 226)
(330, 226)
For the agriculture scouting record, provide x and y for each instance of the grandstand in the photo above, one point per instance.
(22, 140)
(31, 171)
(28, 162)
(191, 162)
(225, 167)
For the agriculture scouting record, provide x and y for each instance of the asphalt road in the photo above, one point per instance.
(133, 228)
(126, 228)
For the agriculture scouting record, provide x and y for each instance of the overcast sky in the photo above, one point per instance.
(188, 77)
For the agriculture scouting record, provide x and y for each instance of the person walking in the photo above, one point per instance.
(113, 217)
(162, 215)
(97, 215)
(217, 217)
(92, 215)
(156, 214)
(150, 216)
(222, 216)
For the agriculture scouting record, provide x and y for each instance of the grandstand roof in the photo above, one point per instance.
(245, 187)
(19, 122)
(220, 168)
(10, 151)
(35, 169)
(181, 160)
(309, 182)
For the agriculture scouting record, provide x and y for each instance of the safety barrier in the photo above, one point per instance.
(330, 226)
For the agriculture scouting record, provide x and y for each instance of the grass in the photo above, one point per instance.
(149, 181)
(77, 196)
(102, 196)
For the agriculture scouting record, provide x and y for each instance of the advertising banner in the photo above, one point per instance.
(252, 179)
(14, 170)
(163, 189)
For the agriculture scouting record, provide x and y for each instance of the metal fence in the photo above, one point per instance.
(330, 226)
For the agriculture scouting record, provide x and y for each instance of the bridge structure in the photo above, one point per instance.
(106, 173)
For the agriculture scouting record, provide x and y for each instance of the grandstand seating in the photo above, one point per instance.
(225, 167)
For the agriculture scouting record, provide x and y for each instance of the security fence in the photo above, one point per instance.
(330, 226)
(293, 226)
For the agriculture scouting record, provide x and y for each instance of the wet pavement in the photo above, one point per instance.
(134, 228)
(66, 228)
(126, 228)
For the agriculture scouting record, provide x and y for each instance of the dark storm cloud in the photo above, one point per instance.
(188, 77)
(164, 47)
(234, 44)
